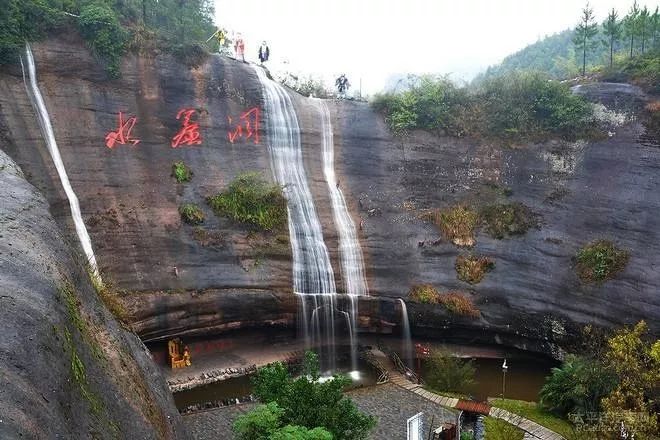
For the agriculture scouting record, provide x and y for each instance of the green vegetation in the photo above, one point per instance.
(599, 261)
(516, 107)
(456, 224)
(535, 413)
(251, 200)
(585, 32)
(458, 304)
(496, 429)
(305, 85)
(448, 373)
(577, 386)
(473, 268)
(181, 172)
(637, 34)
(617, 378)
(635, 359)
(303, 405)
(109, 27)
(507, 219)
(642, 70)
(191, 214)
(108, 296)
(455, 302)
(424, 293)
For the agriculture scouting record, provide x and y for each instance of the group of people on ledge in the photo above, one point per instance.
(239, 46)
(341, 83)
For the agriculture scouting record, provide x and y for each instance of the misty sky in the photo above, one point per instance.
(372, 39)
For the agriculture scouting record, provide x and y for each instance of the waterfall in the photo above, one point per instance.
(407, 339)
(350, 252)
(313, 277)
(47, 130)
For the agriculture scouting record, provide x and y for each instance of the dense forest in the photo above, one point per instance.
(624, 36)
(110, 27)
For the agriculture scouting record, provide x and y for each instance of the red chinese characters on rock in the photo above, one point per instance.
(189, 132)
(248, 126)
(123, 134)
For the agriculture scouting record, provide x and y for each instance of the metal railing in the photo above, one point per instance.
(403, 369)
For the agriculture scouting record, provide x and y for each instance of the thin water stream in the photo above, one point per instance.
(47, 130)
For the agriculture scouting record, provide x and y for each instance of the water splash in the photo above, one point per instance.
(407, 339)
(47, 130)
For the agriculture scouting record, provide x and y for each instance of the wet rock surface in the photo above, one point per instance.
(581, 191)
(68, 369)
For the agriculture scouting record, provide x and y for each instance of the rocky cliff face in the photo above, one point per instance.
(224, 279)
(68, 369)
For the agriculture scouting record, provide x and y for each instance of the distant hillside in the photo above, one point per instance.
(554, 55)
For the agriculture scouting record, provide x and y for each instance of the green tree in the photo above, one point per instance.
(577, 386)
(307, 402)
(654, 27)
(643, 24)
(292, 432)
(260, 423)
(585, 31)
(636, 361)
(448, 373)
(612, 32)
(631, 25)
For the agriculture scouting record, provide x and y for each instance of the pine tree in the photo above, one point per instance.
(643, 23)
(630, 24)
(585, 31)
(611, 30)
(655, 27)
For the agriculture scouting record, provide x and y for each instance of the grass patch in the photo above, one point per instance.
(181, 172)
(507, 219)
(191, 214)
(600, 260)
(108, 297)
(424, 293)
(456, 224)
(79, 375)
(251, 200)
(496, 429)
(208, 238)
(456, 303)
(533, 412)
(473, 268)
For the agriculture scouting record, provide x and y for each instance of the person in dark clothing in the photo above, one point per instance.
(342, 85)
(264, 52)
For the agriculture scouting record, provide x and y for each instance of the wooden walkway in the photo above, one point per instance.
(532, 429)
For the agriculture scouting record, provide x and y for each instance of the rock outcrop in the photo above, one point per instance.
(68, 369)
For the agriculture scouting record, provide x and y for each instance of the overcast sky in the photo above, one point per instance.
(372, 39)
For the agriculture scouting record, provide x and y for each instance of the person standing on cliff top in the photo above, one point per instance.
(342, 85)
(239, 48)
(264, 52)
(221, 36)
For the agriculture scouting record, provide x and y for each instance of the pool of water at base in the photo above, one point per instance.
(239, 387)
(524, 378)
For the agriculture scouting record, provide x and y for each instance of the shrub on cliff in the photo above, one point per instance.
(181, 172)
(517, 107)
(424, 293)
(473, 268)
(100, 27)
(599, 261)
(456, 224)
(506, 219)
(456, 303)
(252, 200)
(191, 214)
